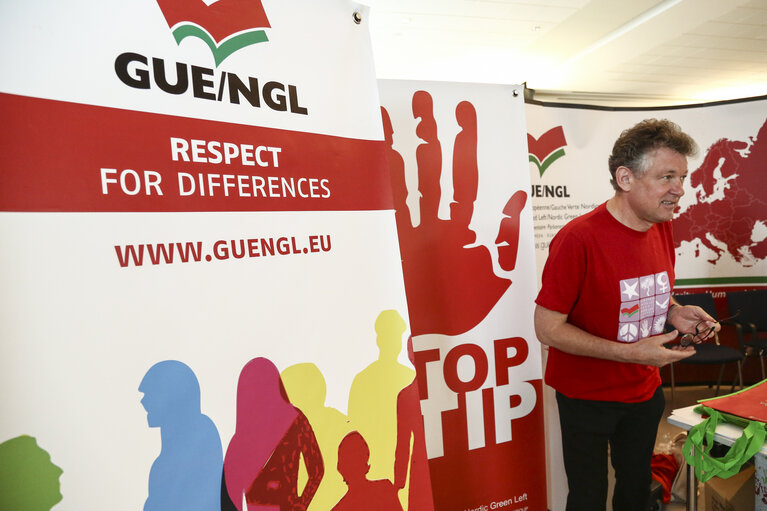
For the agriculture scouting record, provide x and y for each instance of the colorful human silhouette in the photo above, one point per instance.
(410, 457)
(271, 439)
(363, 494)
(373, 395)
(187, 472)
(29, 481)
(450, 284)
(307, 390)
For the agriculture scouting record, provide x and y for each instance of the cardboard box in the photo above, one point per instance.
(733, 494)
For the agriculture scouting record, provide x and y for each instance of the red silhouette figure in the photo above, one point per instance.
(270, 438)
(415, 460)
(380, 495)
(450, 287)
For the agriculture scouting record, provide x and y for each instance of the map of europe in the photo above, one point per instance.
(728, 208)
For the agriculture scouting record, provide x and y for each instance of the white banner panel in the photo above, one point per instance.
(193, 199)
(459, 176)
(720, 228)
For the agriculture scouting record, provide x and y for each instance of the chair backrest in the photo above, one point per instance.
(752, 306)
(703, 300)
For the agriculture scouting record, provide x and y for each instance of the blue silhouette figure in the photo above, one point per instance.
(187, 473)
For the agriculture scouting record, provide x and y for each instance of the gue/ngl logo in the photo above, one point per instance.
(224, 25)
(547, 149)
(543, 152)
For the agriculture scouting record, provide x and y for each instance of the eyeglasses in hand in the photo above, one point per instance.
(701, 335)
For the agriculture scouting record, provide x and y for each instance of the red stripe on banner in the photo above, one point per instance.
(59, 156)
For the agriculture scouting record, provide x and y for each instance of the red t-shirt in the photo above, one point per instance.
(613, 282)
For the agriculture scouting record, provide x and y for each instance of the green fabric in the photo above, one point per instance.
(700, 440)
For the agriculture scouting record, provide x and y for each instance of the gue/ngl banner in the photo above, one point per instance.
(201, 294)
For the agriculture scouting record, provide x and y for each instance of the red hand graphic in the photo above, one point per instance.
(450, 286)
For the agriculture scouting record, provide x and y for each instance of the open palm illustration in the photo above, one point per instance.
(449, 279)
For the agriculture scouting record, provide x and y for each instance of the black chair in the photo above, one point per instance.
(711, 352)
(751, 309)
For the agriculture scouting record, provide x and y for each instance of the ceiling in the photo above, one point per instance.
(602, 52)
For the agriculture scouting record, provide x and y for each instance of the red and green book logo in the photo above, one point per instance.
(630, 311)
(226, 26)
(547, 149)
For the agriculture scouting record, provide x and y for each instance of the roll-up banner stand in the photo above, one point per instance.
(720, 227)
(460, 183)
(201, 293)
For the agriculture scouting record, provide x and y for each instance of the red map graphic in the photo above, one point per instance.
(730, 220)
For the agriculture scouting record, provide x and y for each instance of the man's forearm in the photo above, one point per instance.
(553, 329)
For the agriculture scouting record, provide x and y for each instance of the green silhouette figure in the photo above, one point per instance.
(29, 481)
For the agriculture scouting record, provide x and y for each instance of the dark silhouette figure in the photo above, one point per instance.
(270, 439)
(29, 481)
(428, 155)
(380, 495)
(187, 473)
(407, 459)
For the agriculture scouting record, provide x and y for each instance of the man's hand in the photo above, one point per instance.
(652, 351)
(691, 319)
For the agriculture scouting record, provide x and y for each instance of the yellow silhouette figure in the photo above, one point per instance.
(373, 395)
(307, 390)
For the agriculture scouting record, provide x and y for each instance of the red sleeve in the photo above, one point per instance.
(563, 273)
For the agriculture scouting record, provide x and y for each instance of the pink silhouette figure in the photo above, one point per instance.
(379, 495)
(450, 286)
(415, 460)
(270, 437)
